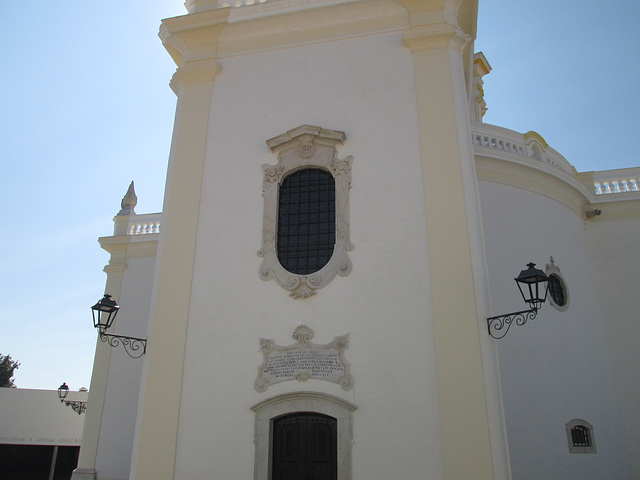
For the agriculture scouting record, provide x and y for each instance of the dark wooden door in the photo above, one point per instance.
(305, 447)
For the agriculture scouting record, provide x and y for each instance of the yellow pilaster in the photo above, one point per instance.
(452, 243)
(194, 49)
(86, 469)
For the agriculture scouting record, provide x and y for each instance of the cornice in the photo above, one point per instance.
(305, 134)
(193, 37)
(211, 35)
(537, 178)
(430, 37)
(314, 25)
(204, 71)
(125, 246)
(527, 161)
(616, 209)
(192, 42)
(114, 268)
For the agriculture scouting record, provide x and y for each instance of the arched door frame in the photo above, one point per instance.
(274, 407)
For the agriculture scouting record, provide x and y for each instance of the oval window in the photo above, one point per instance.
(556, 290)
(306, 234)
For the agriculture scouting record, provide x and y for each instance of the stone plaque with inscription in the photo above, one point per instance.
(304, 360)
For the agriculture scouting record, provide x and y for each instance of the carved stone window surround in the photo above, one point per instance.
(306, 147)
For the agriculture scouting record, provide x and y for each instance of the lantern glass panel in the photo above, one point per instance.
(535, 284)
(63, 391)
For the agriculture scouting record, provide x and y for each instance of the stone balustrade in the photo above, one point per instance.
(144, 224)
(482, 139)
(239, 3)
(491, 140)
(530, 146)
(616, 181)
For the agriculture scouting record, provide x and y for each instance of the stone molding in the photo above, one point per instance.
(302, 147)
(436, 36)
(263, 27)
(192, 42)
(322, 403)
(123, 247)
(295, 370)
(193, 74)
(481, 68)
(552, 269)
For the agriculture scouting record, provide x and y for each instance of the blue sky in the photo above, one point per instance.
(86, 108)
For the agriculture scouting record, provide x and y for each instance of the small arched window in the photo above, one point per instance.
(580, 436)
(306, 220)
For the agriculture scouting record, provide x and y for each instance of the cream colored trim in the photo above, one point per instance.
(210, 35)
(204, 71)
(517, 170)
(313, 25)
(615, 210)
(535, 177)
(128, 247)
(99, 378)
(193, 38)
(434, 37)
(157, 424)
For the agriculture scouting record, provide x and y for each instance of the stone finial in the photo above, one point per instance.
(129, 201)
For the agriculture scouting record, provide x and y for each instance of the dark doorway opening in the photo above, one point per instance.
(305, 447)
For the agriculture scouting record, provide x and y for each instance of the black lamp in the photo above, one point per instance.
(78, 407)
(104, 313)
(530, 282)
(63, 391)
(533, 285)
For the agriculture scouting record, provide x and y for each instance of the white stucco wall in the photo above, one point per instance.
(556, 367)
(613, 246)
(383, 303)
(36, 417)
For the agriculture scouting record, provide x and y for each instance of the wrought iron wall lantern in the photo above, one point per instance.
(533, 285)
(78, 407)
(104, 313)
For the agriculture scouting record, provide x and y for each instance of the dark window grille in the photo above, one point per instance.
(556, 290)
(580, 436)
(306, 234)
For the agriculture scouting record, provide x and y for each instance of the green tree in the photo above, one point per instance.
(7, 366)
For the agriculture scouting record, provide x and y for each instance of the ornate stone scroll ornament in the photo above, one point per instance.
(304, 360)
(300, 148)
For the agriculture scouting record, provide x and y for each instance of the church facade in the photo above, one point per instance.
(338, 225)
